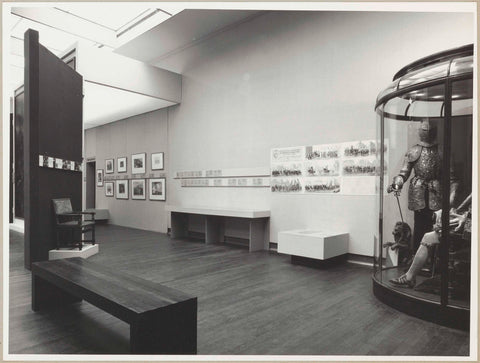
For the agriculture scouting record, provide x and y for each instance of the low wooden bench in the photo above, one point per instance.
(214, 223)
(162, 320)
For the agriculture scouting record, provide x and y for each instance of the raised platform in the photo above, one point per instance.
(426, 306)
(86, 251)
(315, 244)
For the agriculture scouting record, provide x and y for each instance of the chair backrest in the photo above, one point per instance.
(62, 205)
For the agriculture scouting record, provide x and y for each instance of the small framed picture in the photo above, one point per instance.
(138, 163)
(122, 165)
(157, 161)
(99, 177)
(109, 166)
(109, 189)
(58, 163)
(121, 189)
(66, 165)
(138, 188)
(157, 189)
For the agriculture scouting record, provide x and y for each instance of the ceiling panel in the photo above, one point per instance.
(112, 16)
(181, 30)
(16, 46)
(103, 104)
(15, 77)
(49, 37)
(56, 32)
(16, 60)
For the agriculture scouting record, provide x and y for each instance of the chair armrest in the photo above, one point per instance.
(91, 214)
(70, 214)
(84, 212)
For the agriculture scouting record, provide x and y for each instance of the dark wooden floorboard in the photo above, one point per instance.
(248, 303)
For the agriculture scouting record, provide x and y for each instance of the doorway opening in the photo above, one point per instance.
(91, 185)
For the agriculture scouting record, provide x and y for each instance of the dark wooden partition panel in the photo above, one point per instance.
(19, 151)
(53, 127)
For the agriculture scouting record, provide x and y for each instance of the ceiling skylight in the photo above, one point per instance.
(111, 16)
(105, 25)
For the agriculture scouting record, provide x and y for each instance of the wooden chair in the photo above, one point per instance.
(72, 222)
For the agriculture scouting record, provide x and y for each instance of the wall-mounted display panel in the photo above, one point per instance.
(237, 177)
(157, 189)
(121, 190)
(122, 165)
(157, 161)
(109, 168)
(109, 189)
(138, 163)
(99, 177)
(138, 189)
(347, 168)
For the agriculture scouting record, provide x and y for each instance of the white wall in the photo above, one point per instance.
(142, 133)
(287, 79)
(294, 78)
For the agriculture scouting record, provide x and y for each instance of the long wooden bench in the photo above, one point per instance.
(214, 223)
(162, 320)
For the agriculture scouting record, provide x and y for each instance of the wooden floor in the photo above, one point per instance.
(248, 303)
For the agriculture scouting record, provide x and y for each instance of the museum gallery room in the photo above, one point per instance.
(235, 180)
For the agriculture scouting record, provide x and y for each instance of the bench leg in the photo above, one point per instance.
(169, 330)
(45, 295)
(214, 229)
(179, 224)
(257, 235)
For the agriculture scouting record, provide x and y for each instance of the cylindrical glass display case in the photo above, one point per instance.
(424, 188)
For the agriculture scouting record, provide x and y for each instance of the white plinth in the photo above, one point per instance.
(87, 251)
(313, 243)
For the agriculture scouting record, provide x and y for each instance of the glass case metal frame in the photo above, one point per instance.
(438, 69)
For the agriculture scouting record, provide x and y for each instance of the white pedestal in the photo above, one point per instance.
(313, 243)
(87, 251)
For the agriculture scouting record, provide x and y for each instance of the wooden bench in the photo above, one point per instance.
(214, 224)
(162, 320)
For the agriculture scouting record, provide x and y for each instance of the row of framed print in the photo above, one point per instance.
(57, 163)
(119, 188)
(138, 163)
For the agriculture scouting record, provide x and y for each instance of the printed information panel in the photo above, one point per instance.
(348, 168)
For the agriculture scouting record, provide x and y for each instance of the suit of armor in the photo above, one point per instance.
(425, 190)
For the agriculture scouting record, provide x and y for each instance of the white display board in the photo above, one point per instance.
(347, 168)
(257, 177)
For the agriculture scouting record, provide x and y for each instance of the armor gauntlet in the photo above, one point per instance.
(405, 171)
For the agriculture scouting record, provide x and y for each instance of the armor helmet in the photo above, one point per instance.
(427, 131)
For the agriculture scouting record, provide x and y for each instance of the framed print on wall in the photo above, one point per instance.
(109, 166)
(157, 189)
(99, 177)
(157, 161)
(138, 163)
(122, 165)
(121, 189)
(109, 189)
(138, 188)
